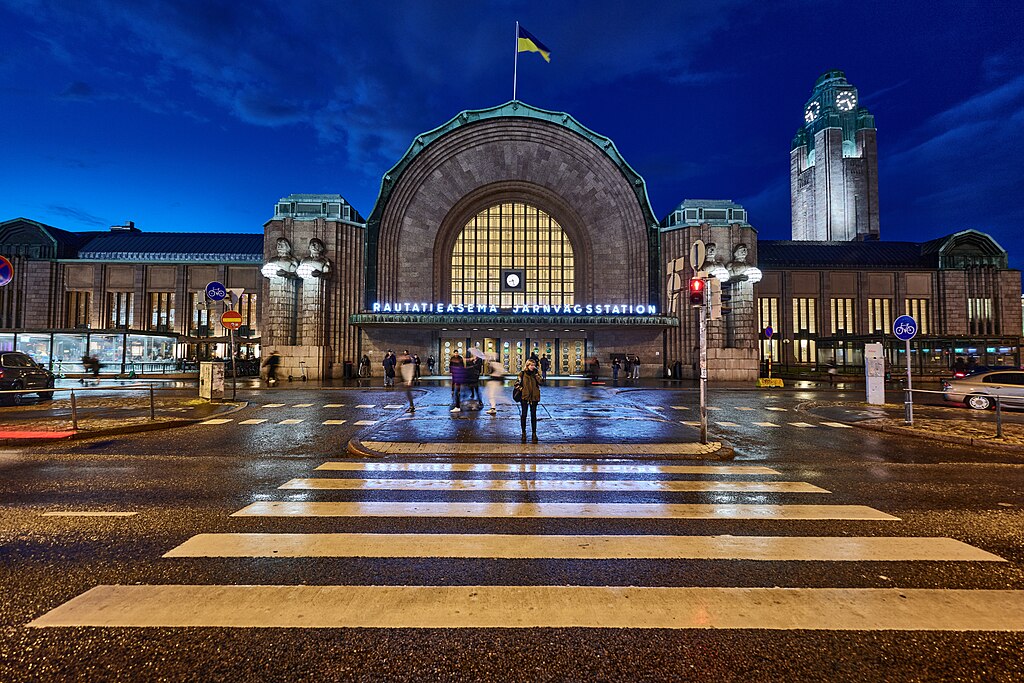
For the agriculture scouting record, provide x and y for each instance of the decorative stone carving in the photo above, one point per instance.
(285, 265)
(739, 269)
(314, 265)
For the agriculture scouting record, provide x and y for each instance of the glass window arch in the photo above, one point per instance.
(512, 236)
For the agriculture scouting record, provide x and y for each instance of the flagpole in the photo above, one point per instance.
(515, 67)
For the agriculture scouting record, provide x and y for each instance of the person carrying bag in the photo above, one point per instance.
(528, 386)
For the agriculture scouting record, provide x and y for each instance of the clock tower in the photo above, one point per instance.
(833, 166)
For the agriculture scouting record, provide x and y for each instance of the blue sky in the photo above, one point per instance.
(190, 115)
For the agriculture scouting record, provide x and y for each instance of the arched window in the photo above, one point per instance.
(514, 236)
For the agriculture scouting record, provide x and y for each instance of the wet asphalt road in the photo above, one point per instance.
(188, 481)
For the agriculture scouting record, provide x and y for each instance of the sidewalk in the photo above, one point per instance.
(946, 424)
(114, 410)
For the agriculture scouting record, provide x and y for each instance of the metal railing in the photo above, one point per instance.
(76, 390)
(996, 399)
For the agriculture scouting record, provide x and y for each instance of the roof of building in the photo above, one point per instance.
(957, 250)
(783, 254)
(133, 245)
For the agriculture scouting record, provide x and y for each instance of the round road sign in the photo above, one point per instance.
(231, 320)
(215, 291)
(768, 332)
(6, 271)
(904, 327)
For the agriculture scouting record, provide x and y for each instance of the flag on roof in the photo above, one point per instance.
(528, 43)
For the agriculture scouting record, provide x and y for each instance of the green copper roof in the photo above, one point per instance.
(514, 109)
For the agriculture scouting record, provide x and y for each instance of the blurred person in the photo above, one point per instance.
(271, 363)
(408, 369)
(496, 380)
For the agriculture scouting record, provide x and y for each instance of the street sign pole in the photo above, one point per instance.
(905, 328)
(704, 374)
(234, 368)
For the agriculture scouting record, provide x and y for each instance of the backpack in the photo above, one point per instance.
(517, 391)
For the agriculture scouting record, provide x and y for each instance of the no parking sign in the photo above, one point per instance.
(6, 271)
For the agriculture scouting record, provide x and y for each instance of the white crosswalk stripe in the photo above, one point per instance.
(252, 422)
(556, 606)
(837, 425)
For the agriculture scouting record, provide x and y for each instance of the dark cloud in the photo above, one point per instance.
(77, 91)
(81, 218)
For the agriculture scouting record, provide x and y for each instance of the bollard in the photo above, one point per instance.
(152, 405)
(999, 419)
(74, 412)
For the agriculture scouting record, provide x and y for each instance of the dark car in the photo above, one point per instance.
(19, 371)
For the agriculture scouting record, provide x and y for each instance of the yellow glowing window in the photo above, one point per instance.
(512, 235)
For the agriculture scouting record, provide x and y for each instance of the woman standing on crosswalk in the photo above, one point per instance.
(529, 380)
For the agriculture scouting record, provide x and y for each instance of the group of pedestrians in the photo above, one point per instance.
(467, 374)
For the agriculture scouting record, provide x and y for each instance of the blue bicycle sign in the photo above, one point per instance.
(215, 291)
(904, 327)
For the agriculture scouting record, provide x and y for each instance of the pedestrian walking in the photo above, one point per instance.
(416, 367)
(636, 367)
(457, 366)
(474, 368)
(389, 363)
(833, 370)
(430, 364)
(364, 366)
(496, 380)
(529, 382)
(545, 365)
(272, 362)
(407, 367)
(616, 366)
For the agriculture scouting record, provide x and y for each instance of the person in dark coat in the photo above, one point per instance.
(272, 362)
(457, 365)
(389, 363)
(529, 377)
(474, 366)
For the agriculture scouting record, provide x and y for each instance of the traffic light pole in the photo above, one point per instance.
(703, 374)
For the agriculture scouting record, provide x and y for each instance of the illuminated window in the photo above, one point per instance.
(804, 326)
(842, 316)
(879, 316)
(918, 310)
(77, 306)
(769, 317)
(979, 315)
(119, 309)
(512, 235)
(161, 311)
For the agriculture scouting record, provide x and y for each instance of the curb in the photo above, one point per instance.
(357, 448)
(116, 431)
(945, 438)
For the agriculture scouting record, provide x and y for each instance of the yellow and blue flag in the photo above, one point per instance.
(528, 43)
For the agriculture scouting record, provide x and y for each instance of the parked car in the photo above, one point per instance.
(19, 371)
(977, 390)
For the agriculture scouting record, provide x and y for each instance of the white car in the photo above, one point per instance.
(978, 391)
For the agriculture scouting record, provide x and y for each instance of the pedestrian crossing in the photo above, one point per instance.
(530, 490)
(750, 416)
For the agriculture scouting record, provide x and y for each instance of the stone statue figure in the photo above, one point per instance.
(710, 257)
(315, 265)
(739, 269)
(285, 265)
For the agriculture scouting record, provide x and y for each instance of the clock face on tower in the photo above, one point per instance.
(812, 111)
(512, 280)
(846, 100)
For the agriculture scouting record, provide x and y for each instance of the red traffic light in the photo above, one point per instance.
(697, 286)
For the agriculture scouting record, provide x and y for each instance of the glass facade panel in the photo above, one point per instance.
(150, 349)
(68, 350)
(6, 342)
(119, 309)
(161, 311)
(35, 345)
(512, 235)
(108, 348)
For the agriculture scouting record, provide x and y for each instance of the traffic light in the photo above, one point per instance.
(715, 289)
(696, 291)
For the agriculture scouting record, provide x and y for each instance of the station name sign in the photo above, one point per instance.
(519, 309)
